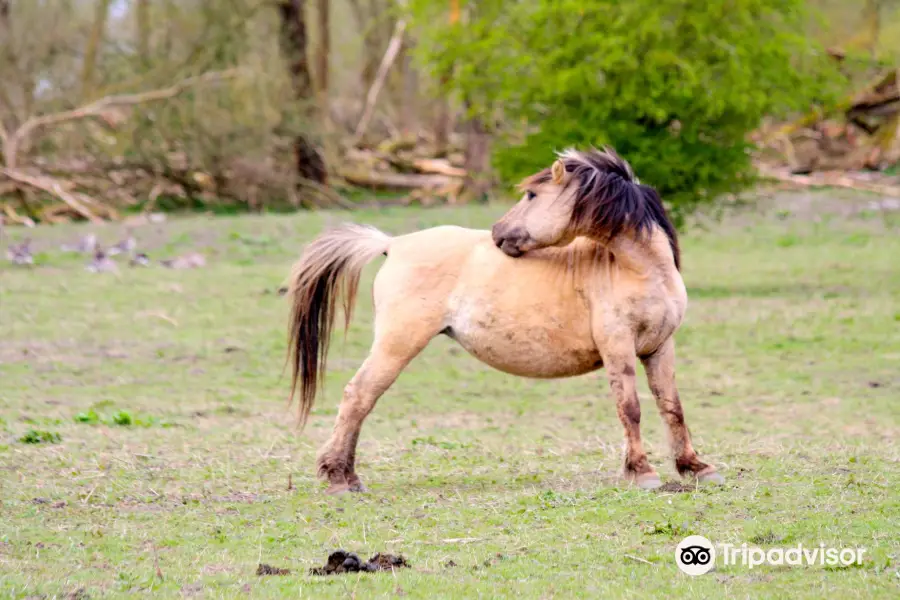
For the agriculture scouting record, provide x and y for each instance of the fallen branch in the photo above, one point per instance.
(54, 188)
(374, 179)
(438, 166)
(13, 217)
(831, 179)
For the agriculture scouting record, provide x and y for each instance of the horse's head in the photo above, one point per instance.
(592, 193)
(542, 217)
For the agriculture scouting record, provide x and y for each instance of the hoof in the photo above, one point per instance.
(358, 487)
(344, 487)
(337, 489)
(710, 476)
(648, 481)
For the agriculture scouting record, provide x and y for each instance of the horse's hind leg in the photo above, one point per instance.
(660, 368)
(392, 350)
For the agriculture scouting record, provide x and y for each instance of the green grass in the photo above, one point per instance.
(170, 476)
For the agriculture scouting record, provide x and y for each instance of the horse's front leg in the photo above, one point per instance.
(660, 367)
(620, 371)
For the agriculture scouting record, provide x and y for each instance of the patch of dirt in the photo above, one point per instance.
(79, 594)
(192, 589)
(676, 487)
(246, 497)
(767, 538)
(216, 569)
(264, 569)
(347, 562)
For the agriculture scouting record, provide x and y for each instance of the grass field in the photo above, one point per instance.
(166, 464)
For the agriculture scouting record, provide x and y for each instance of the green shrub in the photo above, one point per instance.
(122, 418)
(673, 85)
(35, 436)
(90, 417)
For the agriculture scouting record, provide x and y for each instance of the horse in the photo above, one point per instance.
(583, 272)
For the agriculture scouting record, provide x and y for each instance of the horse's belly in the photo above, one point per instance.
(545, 344)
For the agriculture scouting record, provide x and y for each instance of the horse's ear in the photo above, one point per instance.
(558, 170)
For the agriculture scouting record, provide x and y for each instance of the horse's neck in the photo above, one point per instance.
(585, 258)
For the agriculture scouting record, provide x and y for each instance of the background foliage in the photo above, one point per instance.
(674, 85)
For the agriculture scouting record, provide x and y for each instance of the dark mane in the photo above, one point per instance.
(609, 199)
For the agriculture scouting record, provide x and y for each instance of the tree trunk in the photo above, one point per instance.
(94, 42)
(310, 164)
(324, 51)
(408, 91)
(442, 119)
(142, 14)
(371, 45)
(873, 24)
(477, 184)
(8, 119)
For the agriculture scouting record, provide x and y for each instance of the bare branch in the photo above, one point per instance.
(96, 108)
(372, 97)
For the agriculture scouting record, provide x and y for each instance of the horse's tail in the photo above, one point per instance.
(330, 267)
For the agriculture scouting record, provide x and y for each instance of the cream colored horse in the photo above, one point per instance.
(586, 276)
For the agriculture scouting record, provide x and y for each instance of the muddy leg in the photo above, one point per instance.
(660, 369)
(389, 355)
(637, 468)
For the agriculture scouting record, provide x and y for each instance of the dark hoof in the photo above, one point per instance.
(710, 477)
(648, 481)
(337, 489)
(358, 487)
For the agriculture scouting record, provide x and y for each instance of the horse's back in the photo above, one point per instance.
(436, 243)
(424, 267)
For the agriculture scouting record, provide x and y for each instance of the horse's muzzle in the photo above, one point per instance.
(508, 241)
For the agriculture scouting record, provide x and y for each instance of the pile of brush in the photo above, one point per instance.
(855, 144)
(407, 165)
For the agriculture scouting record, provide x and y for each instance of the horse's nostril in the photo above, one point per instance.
(498, 241)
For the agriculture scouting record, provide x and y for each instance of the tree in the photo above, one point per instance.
(674, 85)
(92, 48)
(443, 117)
(323, 52)
(142, 21)
(310, 164)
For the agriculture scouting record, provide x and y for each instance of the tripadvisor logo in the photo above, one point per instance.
(696, 555)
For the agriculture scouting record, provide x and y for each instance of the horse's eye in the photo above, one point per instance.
(530, 195)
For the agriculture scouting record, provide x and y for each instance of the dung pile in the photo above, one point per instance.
(347, 562)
